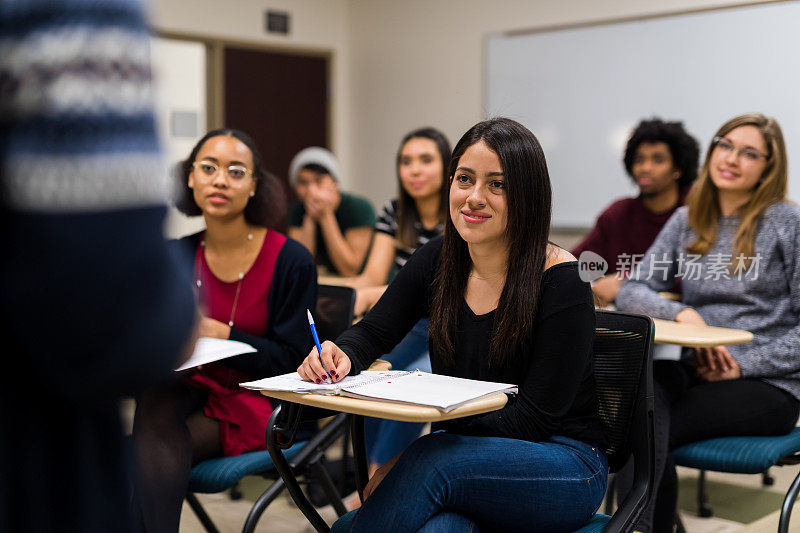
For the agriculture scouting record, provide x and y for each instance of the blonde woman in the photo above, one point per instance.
(737, 249)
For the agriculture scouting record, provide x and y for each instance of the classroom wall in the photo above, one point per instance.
(315, 25)
(398, 65)
(179, 73)
(419, 62)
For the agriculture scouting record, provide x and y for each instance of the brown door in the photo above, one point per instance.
(281, 100)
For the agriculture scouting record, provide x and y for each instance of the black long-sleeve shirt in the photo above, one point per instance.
(553, 365)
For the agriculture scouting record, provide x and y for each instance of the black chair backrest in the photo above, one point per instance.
(334, 312)
(623, 351)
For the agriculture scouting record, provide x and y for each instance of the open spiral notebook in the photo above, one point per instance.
(412, 387)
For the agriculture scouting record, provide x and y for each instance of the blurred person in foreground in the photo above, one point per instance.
(94, 307)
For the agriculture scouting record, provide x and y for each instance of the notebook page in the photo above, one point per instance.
(207, 350)
(421, 388)
(292, 382)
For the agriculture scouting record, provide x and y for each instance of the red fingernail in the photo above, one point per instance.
(317, 381)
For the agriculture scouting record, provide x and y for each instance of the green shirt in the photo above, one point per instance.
(353, 212)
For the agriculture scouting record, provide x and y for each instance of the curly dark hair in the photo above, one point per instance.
(683, 147)
(267, 208)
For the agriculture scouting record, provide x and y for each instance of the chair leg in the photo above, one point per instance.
(345, 461)
(235, 492)
(679, 527)
(359, 453)
(766, 479)
(703, 509)
(272, 492)
(287, 475)
(788, 503)
(610, 493)
(201, 514)
(324, 478)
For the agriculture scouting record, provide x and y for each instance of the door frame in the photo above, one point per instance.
(215, 68)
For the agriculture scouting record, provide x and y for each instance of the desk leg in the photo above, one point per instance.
(285, 471)
(325, 481)
(359, 453)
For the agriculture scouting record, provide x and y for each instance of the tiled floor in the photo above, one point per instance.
(283, 517)
(229, 516)
(783, 478)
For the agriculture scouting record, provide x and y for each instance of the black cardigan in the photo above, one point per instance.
(287, 340)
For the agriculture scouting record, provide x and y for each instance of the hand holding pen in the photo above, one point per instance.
(319, 348)
(325, 356)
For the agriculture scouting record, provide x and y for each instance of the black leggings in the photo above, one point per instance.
(688, 410)
(171, 434)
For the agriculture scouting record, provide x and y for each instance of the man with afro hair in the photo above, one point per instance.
(661, 158)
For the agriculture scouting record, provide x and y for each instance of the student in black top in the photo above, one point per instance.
(504, 306)
(413, 218)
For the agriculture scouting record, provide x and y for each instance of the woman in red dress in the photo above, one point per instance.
(253, 285)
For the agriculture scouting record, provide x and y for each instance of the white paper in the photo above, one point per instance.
(208, 349)
(418, 388)
(292, 382)
(434, 390)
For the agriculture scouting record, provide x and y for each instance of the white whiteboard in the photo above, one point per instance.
(582, 90)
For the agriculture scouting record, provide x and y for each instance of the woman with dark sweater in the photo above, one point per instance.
(504, 306)
(253, 285)
(736, 248)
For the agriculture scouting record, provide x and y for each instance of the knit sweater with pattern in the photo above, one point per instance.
(762, 296)
(94, 304)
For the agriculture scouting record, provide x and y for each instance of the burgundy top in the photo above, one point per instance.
(217, 296)
(625, 227)
(242, 414)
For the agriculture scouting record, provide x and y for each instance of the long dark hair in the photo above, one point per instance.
(528, 226)
(407, 214)
(266, 208)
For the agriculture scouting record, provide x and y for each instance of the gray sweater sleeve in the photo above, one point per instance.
(781, 355)
(656, 272)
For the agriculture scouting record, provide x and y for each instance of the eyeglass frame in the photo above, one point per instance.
(739, 151)
(232, 182)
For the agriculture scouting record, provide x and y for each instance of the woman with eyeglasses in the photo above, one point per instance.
(736, 247)
(253, 285)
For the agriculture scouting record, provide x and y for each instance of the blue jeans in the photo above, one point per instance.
(454, 483)
(386, 438)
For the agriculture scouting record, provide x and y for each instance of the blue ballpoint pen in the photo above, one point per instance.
(316, 341)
